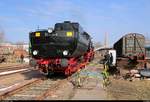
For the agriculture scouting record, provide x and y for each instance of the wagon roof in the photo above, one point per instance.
(134, 34)
(147, 46)
(138, 34)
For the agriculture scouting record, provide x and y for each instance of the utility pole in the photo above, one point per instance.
(106, 40)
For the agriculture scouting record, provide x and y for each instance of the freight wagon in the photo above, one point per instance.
(147, 51)
(131, 45)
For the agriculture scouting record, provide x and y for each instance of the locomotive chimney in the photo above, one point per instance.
(67, 22)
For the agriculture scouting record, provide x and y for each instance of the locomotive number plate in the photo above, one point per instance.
(37, 34)
(69, 34)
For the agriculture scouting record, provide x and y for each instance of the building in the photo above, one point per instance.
(6, 48)
(147, 48)
(9, 48)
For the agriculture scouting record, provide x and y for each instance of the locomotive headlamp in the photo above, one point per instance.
(65, 52)
(35, 52)
(50, 30)
(69, 34)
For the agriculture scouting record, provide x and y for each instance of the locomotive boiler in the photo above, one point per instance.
(60, 49)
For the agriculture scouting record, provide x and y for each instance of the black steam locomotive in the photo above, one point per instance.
(66, 42)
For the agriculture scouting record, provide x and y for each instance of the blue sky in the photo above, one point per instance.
(97, 17)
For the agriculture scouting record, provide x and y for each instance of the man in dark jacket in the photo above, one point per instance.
(107, 59)
(111, 59)
(22, 57)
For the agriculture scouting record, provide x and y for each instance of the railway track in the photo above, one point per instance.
(10, 68)
(37, 89)
(2, 66)
(15, 88)
(7, 70)
(41, 89)
(15, 71)
(10, 65)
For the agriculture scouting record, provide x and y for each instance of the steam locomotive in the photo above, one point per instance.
(60, 49)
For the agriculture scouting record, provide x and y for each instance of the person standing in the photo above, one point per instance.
(106, 59)
(111, 59)
(105, 72)
(22, 58)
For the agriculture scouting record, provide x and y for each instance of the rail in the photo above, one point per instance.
(35, 89)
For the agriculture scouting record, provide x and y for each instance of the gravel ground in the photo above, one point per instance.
(91, 86)
(126, 90)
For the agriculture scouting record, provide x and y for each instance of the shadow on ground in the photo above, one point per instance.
(36, 74)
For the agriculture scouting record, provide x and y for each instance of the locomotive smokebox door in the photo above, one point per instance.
(64, 62)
